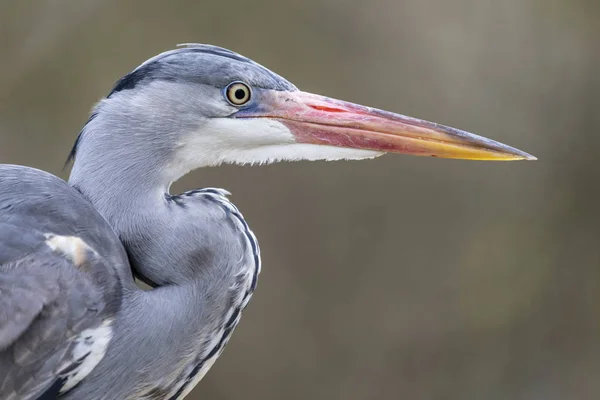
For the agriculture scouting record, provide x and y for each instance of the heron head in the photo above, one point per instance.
(214, 106)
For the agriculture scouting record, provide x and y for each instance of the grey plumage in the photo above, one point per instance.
(73, 322)
(47, 300)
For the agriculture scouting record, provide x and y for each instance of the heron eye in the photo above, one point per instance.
(238, 93)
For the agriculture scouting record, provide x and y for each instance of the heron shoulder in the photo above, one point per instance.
(57, 319)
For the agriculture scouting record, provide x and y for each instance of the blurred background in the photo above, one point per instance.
(395, 278)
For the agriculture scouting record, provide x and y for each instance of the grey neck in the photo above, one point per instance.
(125, 172)
(196, 247)
(115, 176)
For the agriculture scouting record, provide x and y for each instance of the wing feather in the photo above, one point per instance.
(59, 284)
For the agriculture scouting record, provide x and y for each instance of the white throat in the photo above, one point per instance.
(252, 141)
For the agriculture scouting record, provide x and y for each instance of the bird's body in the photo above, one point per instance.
(101, 281)
(184, 109)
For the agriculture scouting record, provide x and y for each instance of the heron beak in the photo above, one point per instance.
(321, 120)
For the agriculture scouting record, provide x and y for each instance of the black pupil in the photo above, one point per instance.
(240, 94)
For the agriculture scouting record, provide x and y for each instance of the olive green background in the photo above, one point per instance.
(395, 278)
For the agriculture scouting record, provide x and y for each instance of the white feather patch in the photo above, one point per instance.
(90, 345)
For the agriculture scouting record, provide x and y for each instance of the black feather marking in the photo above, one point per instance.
(254, 251)
(226, 334)
(132, 79)
(75, 364)
(53, 391)
(177, 199)
(195, 371)
(206, 190)
(73, 151)
(233, 317)
(137, 275)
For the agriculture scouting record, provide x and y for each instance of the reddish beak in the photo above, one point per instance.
(321, 120)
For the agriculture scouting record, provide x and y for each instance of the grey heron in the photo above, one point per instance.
(73, 324)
